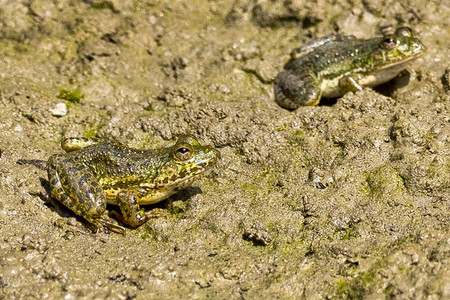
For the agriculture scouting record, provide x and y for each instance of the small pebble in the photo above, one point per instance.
(60, 110)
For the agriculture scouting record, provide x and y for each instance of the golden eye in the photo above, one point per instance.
(389, 43)
(183, 153)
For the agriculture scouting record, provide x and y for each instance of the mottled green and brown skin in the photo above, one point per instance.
(94, 172)
(331, 66)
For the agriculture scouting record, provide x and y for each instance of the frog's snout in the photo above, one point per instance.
(214, 156)
(418, 47)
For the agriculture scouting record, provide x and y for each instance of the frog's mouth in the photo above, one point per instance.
(177, 174)
(401, 61)
(183, 177)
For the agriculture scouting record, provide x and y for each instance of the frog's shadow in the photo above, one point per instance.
(64, 212)
(389, 88)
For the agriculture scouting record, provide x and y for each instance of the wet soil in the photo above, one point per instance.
(345, 200)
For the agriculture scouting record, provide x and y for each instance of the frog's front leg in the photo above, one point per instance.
(294, 90)
(350, 84)
(77, 188)
(132, 214)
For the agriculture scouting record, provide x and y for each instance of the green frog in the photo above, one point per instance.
(97, 172)
(331, 66)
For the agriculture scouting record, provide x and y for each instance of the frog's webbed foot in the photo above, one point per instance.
(112, 226)
(105, 223)
(292, 90)
(156, 213)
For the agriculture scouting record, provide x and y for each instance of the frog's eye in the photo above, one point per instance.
(389, 43)
(404, 31)
(183, 153)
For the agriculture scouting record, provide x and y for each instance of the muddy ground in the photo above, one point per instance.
(350, 199)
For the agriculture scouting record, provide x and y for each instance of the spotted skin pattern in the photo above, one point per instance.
(94, 172)
(331, 66)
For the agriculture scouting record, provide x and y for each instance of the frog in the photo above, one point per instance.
(333, 65)
(95, 172)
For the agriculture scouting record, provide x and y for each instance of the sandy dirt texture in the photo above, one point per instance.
(348, 200)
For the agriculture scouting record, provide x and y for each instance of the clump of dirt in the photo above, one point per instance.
(346, 200)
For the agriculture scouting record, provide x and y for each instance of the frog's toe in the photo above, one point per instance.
(156, 213)
(135, 219)
(113, 227)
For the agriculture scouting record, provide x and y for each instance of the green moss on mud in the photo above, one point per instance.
(176, 208)
(348, 232)
(92, 130)
(357, 287)
(384, 181)
(73, 96)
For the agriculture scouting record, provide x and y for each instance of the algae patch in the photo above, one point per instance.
(384, 182)
(73, 96)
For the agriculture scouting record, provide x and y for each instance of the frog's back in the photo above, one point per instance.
(335, 59)
(108, 160)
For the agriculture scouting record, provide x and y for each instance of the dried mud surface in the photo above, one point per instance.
(344, 200)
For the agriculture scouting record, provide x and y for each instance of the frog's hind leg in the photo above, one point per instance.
(292, 90)
(78, 189)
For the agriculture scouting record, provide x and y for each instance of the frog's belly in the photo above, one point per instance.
(161, 193)
(155, 196)
(331, 88)
(147, 193)
(150, 196)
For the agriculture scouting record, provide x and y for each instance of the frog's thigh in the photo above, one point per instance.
(56, 190)
(77, 188)
(350, 83)
(292, 90)
(132, 214)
